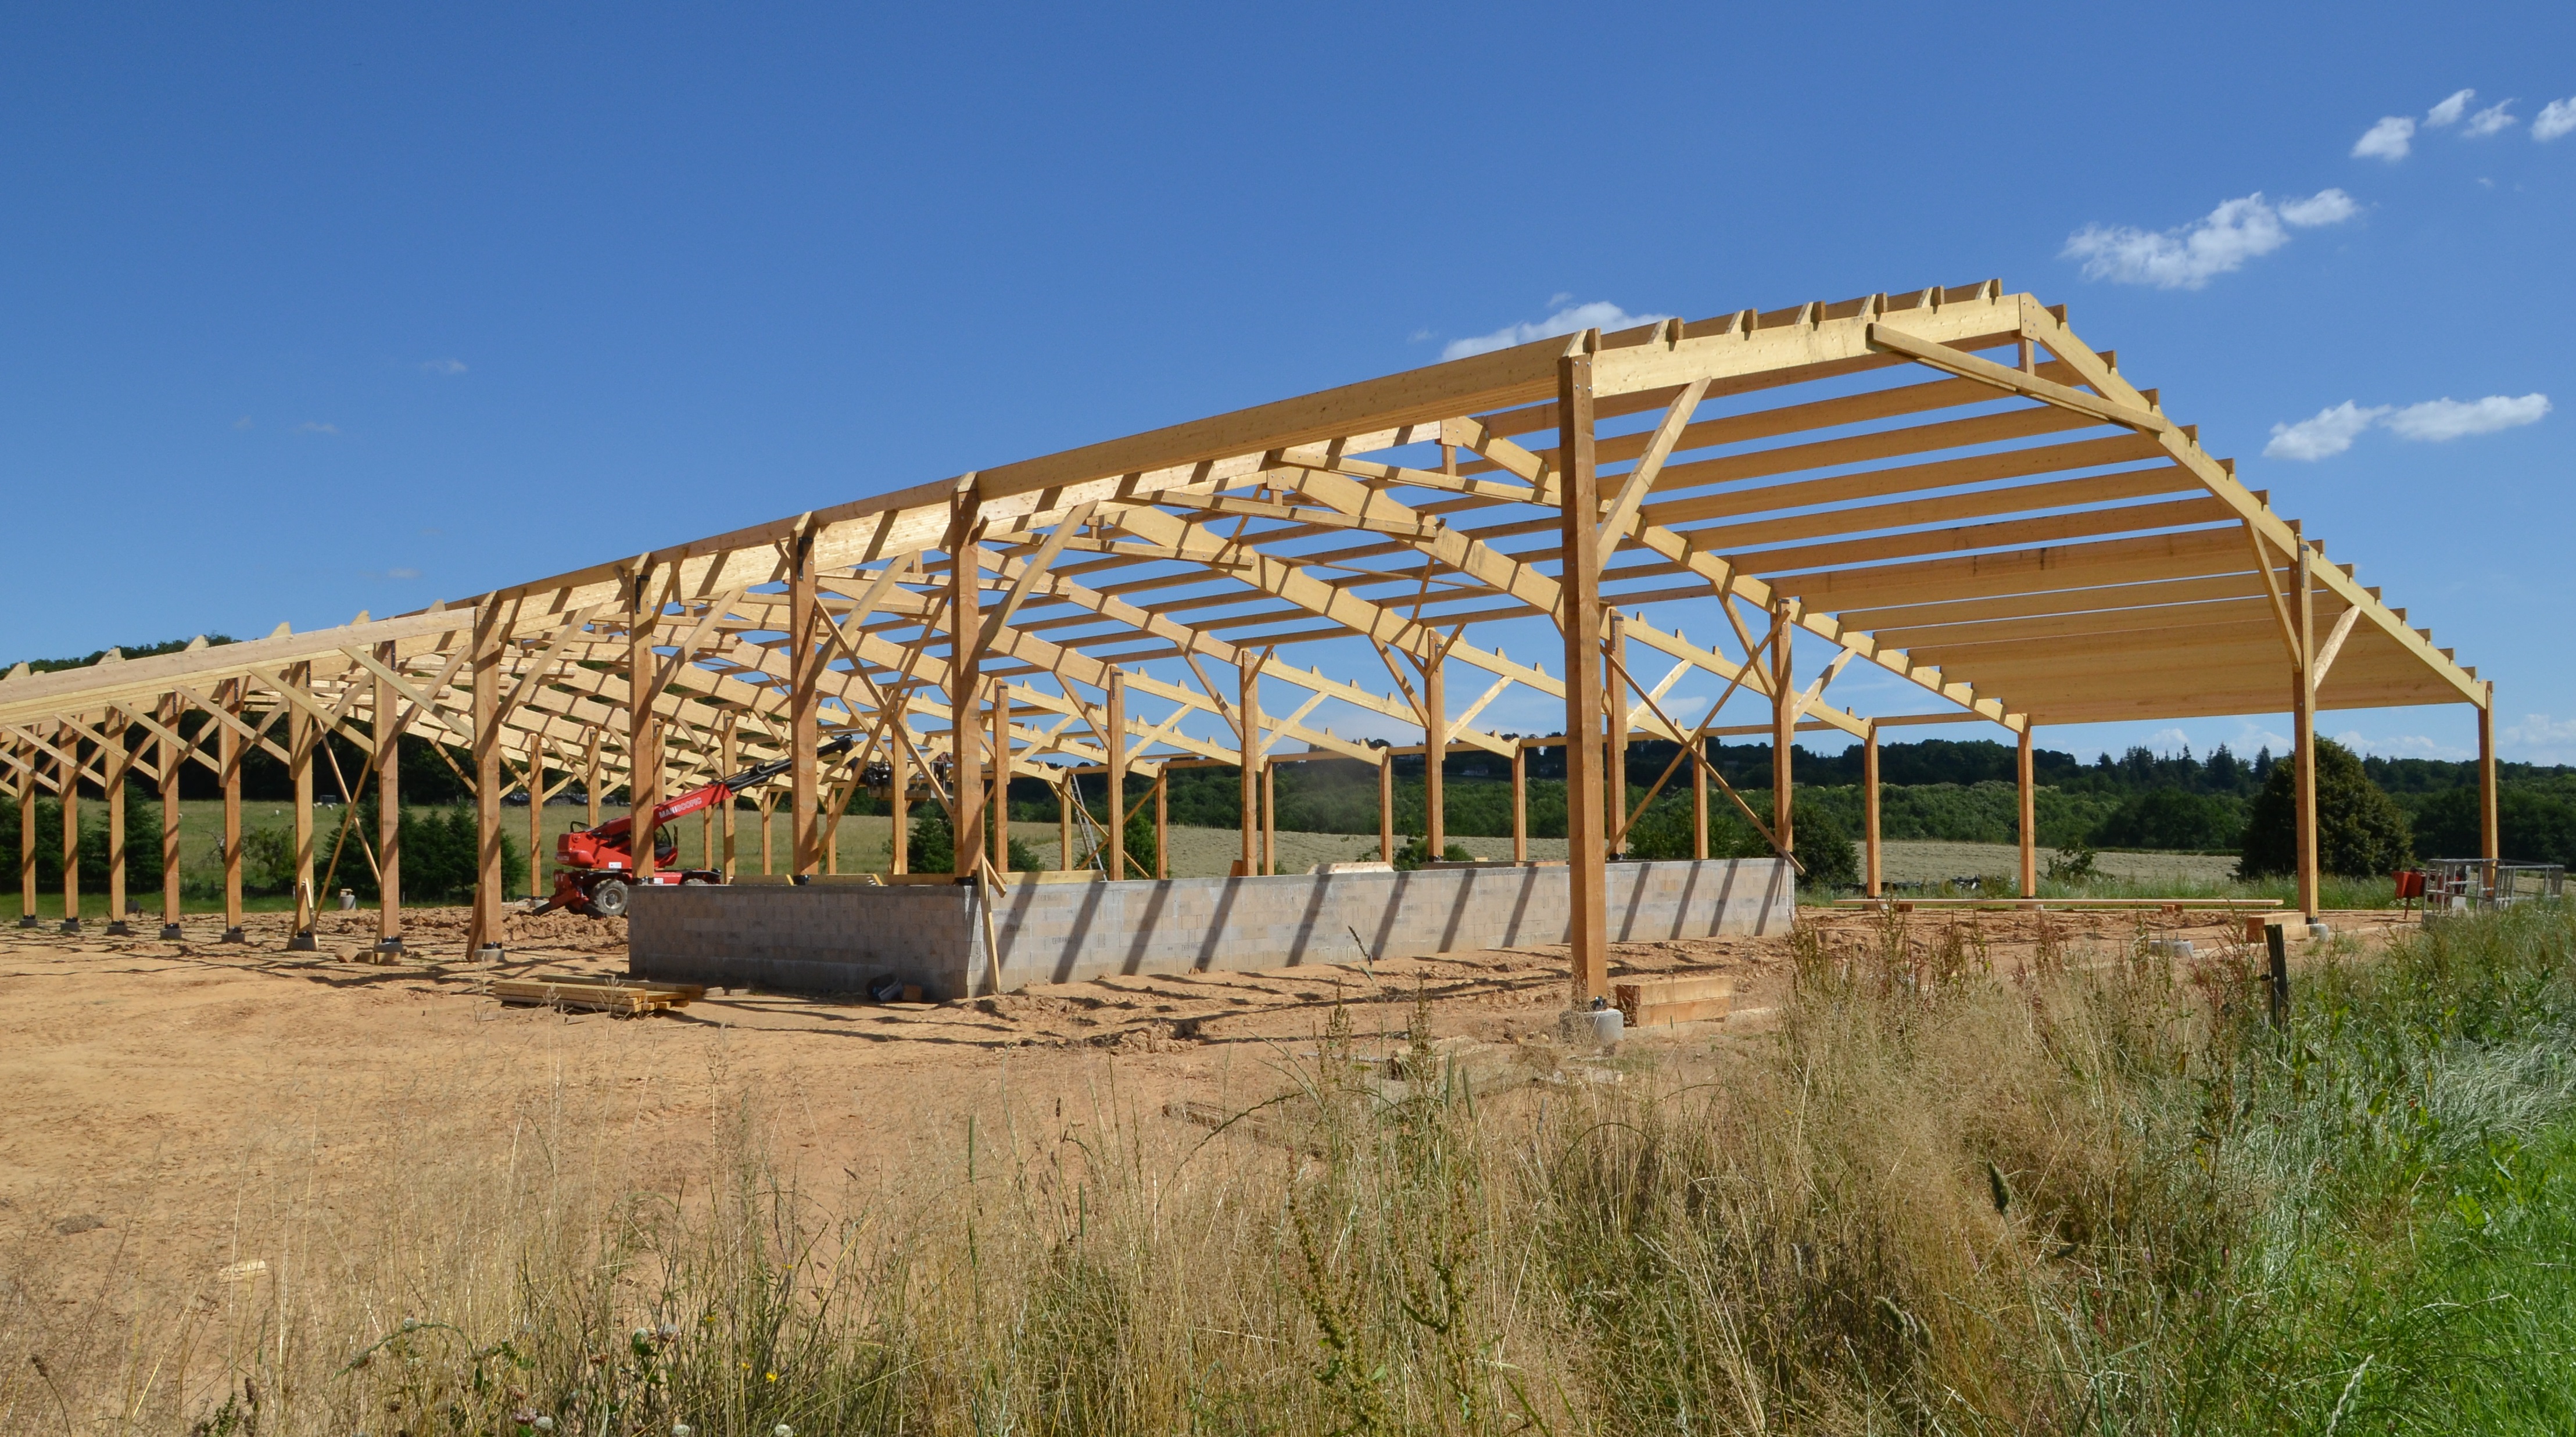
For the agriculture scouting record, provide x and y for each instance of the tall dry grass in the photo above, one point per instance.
(1939, 1199)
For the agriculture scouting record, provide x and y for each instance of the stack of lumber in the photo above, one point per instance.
(1661, 1002)
(606, 995)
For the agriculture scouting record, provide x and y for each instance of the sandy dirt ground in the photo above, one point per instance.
(151, 1084)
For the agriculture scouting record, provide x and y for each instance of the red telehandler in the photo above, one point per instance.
(595, 867)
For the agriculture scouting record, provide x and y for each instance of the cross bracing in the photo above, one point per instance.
(1946, 486)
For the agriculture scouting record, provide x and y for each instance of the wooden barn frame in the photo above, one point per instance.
(1947, 485)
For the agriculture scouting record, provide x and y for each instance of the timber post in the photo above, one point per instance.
(805, 665)
(2026, 790)
(119, 761)
(27, 840)
(1116, 739)
(1587, 875)
(2490, 825)
(1269, 817)
(487, 927)
(2303, 699)
(71, 773)
(1869, 799)
(1520, 803)
(1784, 732)
(1247, 733)
(965, 680)
(388, 759)
(729, 757)
(228, 753)
(643, 727)
(1385, 807)
(1614, 711)
(1435, 755)
(301, 735)
(1001, 819)
(899, 763)
(170, 708)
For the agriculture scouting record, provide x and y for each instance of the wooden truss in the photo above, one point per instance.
(1947, 486)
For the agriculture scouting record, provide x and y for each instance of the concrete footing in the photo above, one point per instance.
(840, 938)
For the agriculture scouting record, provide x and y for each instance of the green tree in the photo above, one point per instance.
(934, 846)
(438, 860)
(2532, 826)
(2360, 831)
(1821, 843)
(2170, 818)
(1824, 849)
(142, 844)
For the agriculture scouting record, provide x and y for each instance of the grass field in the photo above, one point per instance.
(2086, 1194)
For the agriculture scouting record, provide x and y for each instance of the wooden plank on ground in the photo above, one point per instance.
(1662, 1002)
(1904, 905)
(597, 994)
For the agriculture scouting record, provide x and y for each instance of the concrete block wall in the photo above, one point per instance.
(839, 938)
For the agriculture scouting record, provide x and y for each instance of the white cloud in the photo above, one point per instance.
(2169, 741)
(2330, 433)
(2387, 140)
(1417, 336)
(2491, 119)
(2190, 257)
(402, 573)
(442, 366)
(1572, 319)
(2441, 419)
(2540, 739)
(2252, 739)
(2325, 207)
(316, 426)
(242, 423)
(2410, 745)
(2555, 118)
(2449, 111)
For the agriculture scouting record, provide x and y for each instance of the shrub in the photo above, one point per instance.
(1416, 852)
(2360, 831)
(2073, 864)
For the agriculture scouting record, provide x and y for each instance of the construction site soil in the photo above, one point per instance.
(153, 1084)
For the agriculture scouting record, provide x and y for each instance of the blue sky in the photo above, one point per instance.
(316, 310)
